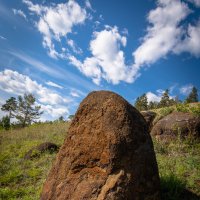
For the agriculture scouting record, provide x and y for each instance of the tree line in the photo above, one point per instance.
(142, 103)
(22, 109)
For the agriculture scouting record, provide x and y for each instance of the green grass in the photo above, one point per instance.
(178, 161)
(23, 179)
(179, 168)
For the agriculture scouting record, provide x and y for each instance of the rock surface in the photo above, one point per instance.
(36, 151)
(177, 123)
(107, 155)
(149, 116)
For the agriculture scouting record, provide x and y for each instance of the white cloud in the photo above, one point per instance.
(74, 47)
(77, 93)
(53, 70)
(56, 21)
(74, 94)
(160, 91)
(54, 111)
(156, 97)
(153, 97)
(185, 90)
(89, 67)
(164, 31)
(3, 38)
(107, 60)
(195, 2)
(36, 8)
(54, 85)
(164, 35)
(17, 84)
(19, 12)
(191, 43)
(39, 65)
(88, 4)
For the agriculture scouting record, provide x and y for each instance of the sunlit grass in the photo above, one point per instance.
(178, 161)
(179, 167)
(20, 178)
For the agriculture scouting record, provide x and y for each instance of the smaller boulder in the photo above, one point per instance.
(149, 116)
(44, 147)
(177, 124)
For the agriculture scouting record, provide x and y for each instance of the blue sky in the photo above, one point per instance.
(62, 50)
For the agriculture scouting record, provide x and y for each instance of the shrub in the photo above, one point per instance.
(5, 123)
(190, 108)
(182, 107)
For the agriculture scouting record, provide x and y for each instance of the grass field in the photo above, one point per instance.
(179, 163)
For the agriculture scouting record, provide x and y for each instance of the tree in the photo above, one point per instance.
(193, 96)
(26, 111)
(141, 103)
(10, 106)
(165, 100)
(5, 122)
(152, 105)
(61, 119)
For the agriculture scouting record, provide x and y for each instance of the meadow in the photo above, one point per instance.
(178, 162)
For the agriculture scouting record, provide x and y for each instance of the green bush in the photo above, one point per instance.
(5, 122)
(182, 107)
(166, 111)
(190, 108)
(162, 112)
(195, 110)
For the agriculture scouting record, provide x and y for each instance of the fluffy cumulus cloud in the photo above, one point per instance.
(191, 43)
(166, 34)
(107, 60)
(53, 112)
(186, 89)
(17, 84)
(56, 21)
(153, 97)
(164, 31)
(156, 97)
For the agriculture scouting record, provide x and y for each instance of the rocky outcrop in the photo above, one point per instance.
(107, 155)
(38, 150)
(177, 124)
(149, 116)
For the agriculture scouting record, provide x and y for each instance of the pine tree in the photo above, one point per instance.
(61, 119)
(165, 100)
(5, 122)
(10, 106)
(152, 105)
(193, 96)
(26, 111)
(141, 103)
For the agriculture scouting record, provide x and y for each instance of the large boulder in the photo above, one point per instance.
(41, 148)
(149, 116)
(108, 154)
(177, 124)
